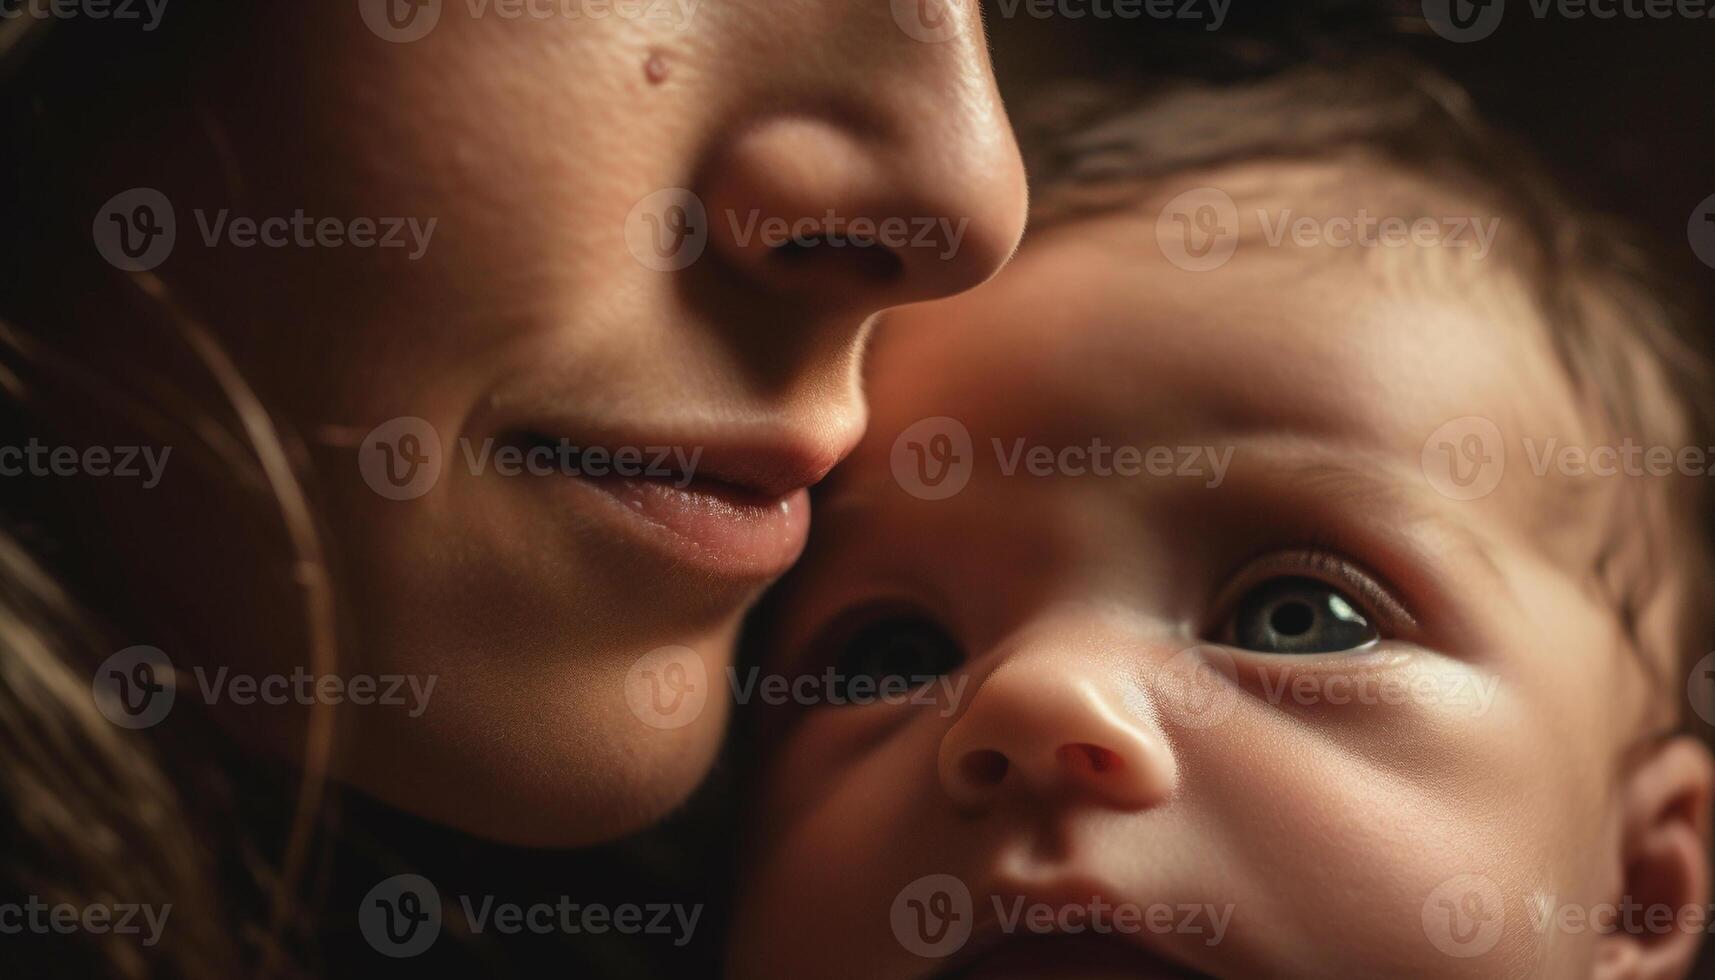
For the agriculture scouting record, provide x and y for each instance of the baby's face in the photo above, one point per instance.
(1229, 681)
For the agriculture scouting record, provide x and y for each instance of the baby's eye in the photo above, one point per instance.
(1294, 614)
(899, 650)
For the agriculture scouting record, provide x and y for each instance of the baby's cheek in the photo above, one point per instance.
(844, 832)
(1416, 839)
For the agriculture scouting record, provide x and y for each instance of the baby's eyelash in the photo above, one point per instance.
(1320, 559)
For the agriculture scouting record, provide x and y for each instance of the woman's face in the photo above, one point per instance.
(600, 247)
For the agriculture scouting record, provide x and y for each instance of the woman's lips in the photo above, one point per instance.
(736, 512)
(730, 530)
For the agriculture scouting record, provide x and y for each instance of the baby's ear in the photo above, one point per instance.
(1665, 842)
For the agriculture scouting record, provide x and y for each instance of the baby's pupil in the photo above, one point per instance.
(1292, 618)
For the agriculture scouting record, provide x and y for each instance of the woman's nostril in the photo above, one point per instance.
(1089, 758)
(984, 767)
(867, 257)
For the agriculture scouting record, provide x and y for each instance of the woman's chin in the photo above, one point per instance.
(582, 778)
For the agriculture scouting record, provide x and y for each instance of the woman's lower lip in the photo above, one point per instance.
(718, 527)
(1083, 956)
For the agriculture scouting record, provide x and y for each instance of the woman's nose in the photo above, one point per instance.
(902, 185)
(1058, 729)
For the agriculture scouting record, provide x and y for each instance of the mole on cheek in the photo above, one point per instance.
(655, 68)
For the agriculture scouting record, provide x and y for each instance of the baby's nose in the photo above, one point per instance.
(1059, 728)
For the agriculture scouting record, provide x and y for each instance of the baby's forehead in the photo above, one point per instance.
(1111, 327)
(1266, 295)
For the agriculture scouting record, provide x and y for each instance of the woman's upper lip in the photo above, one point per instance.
(773, 467)
(769, 460)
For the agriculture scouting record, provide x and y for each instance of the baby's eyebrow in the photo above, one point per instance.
(1396, 494)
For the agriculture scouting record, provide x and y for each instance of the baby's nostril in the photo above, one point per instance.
(1093, 758)
(984, 767)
